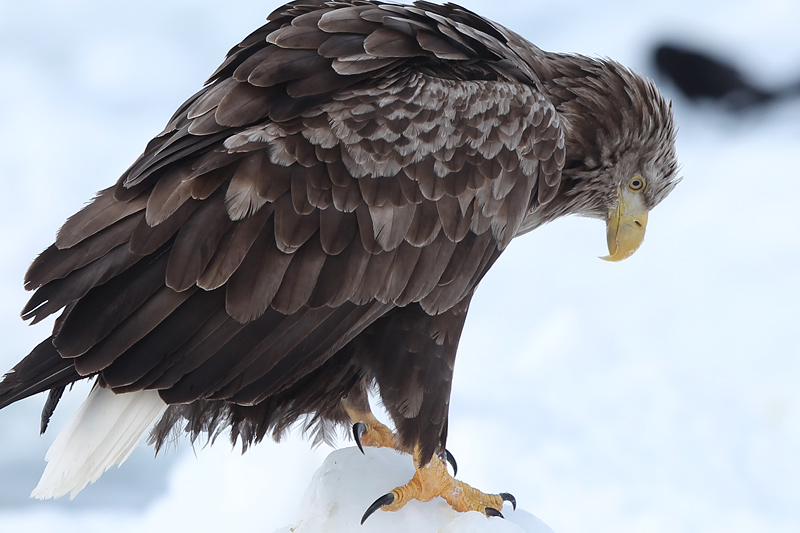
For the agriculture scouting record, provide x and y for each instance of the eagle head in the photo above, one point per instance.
(620, 147)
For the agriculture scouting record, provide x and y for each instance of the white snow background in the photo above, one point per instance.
(659, 394)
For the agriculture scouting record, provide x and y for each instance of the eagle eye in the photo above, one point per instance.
(636, 184)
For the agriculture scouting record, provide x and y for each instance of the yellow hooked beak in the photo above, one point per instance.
(625, 227)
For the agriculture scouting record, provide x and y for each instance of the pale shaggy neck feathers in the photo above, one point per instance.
(616, 125)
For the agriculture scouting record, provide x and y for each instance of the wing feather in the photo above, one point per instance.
(106, 305)
(336, 230)
(213, 336)
(342, 326)
(242, 198)
(60, 292)
(298, 283)
(102, 212)
(252, 287)
(55, 263)
(144, 319)
(292, 229)
(243, 104)
(146, 239)
(232, 250)
(196, 243)
(166, 337)
(206, 366)
(341, 276)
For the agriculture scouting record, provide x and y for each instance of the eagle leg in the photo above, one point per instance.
(433, 479)
(368, 430)
(374, 433)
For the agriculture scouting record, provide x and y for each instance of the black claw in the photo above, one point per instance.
(452, 461)
(386, 499)
(509, 498)
(359, 428)
(491, 511)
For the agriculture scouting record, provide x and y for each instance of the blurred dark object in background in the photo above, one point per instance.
(701, 76)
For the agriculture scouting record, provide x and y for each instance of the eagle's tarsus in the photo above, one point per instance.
(386, 499)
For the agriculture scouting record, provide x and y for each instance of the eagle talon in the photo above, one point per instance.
(386, 499)
(452, 461)
(509, 498)
(359, 428)
(491, 511)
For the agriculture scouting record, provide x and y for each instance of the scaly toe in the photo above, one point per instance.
(433, 479)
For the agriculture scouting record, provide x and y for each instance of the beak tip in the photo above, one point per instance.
(616, 258)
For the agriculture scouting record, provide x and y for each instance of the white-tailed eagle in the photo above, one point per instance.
(314, 221)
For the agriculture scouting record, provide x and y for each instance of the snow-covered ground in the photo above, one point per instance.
(348, 482)
(659, 394)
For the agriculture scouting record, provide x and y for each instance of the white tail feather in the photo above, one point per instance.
(103, 432)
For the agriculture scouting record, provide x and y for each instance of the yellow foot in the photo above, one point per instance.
(433, 480)
(369, 431)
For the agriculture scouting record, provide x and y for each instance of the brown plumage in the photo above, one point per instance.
(316, 219)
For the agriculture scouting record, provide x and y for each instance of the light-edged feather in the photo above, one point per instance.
(252, 287)
(55, 263)
(390, 224)
(146, 239)
(344, 21)
(241, 198)
(196, 243)
(292, 230)
(336, 230)
(232, 249)
(103, 211)
(60, 292)
(298, 282)
(244, 104)
(169, 194)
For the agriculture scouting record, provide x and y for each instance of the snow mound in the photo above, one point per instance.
(348, 482)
